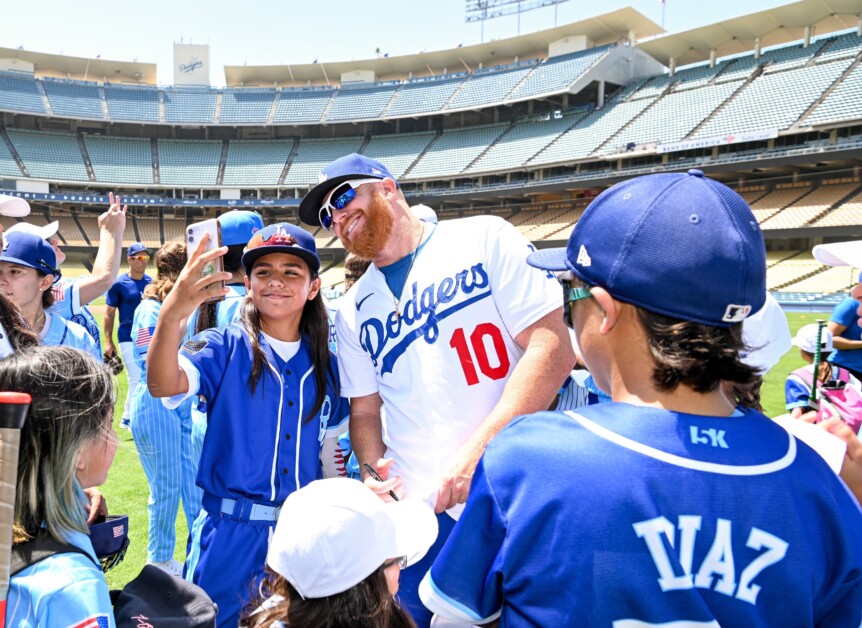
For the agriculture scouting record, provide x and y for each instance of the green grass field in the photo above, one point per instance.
(126, 489)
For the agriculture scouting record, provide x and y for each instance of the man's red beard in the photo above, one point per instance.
(376, 231)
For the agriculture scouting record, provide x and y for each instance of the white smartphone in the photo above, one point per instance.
(194, 234)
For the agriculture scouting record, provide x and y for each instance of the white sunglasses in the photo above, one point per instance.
(339, 198)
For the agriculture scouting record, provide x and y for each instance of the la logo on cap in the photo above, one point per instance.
(584, 258)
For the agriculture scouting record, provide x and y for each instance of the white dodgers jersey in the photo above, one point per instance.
(440, 363)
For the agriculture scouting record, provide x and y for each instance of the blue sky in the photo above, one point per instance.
(263, 32)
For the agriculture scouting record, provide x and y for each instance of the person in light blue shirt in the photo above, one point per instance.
(69, 425)
(27, 273)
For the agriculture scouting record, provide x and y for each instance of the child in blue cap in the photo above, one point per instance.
(27, 273)
(669, 505)
(273, 408)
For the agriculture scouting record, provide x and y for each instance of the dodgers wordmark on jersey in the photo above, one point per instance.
(714, 521)
(441, 362)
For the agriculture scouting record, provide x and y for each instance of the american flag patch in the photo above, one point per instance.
(93, 621)
(59, 293)
(118, 531)
(144, 337)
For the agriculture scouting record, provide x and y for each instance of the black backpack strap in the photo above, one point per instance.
(25, 555)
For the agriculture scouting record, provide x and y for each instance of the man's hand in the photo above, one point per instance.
(394, 484)
(114, 220)
(455, 485)
(98, 506)
(110, 350)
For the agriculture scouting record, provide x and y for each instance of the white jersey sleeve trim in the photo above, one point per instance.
(194, 378)
(695, 465)
(75, 293)
(440, 604)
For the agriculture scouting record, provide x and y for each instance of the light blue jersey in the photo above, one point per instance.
(67, 303)
(59, 332)
(63, 590)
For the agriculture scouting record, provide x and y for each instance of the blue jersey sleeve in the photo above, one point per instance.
(208, 353)
(845, 313)
(66, 300)
(144, 325)
(796, 392)
(82, 603)
(114, 295)
(465, 582)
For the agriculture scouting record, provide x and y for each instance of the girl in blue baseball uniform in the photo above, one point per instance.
(162, 436)
(27, 273)
(67, 445)
(273, 408)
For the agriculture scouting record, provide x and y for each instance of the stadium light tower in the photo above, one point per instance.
(481, 10)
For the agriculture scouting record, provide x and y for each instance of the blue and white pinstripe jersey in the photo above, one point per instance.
(62, 590)
(143, 326)
(67, 303)
(59, 332)
(227, 311)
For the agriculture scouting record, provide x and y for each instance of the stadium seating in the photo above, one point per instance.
(49, 155)
(74, 99)
(454, 150)
(488, 86)
(120, 160)
(557, 73)
(247, 106)
(359, 102)
(841, 47)
(187, 105)
(90, 225)
(313, 155)
(20, 93)
(829, 280)
(72, 269)
(843, 103)
(333, 276)
(174, 228)
(423, 96)
(792, 270)
(590, 132)
(805, 210)
(8, 165)
(522, 141)
(770, 204)
(70, 233)
(398, 152)
(756, 107)
(848, 213)
(149, 229)
(673, 116)
(296, 105)
(189, 162)
(255, 163)
(133, 103)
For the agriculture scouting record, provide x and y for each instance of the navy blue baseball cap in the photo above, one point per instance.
(239, 226)
(136, 248)
(681, 245)
(353, 166)
(281, 238)
(27, 249)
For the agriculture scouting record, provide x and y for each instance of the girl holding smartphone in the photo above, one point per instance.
(273, 408)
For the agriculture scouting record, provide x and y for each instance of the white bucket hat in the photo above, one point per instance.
(332, 534)
(46, 232)
(806, 339)
(839, 253)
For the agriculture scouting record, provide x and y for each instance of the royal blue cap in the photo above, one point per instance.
(238, 226)
(681, 245)
(353, 166)
(136, 248)
(32, 251)
(281, 238)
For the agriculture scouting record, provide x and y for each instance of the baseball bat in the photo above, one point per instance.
(812, 398)
(13, 412)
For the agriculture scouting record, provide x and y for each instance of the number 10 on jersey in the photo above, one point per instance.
(473, 351)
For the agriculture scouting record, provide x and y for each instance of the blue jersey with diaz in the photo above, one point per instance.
(258, 446)
(630, 516)
(125, 295)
